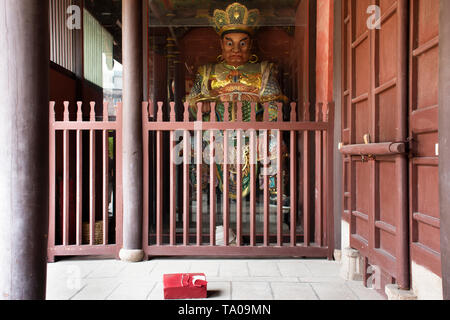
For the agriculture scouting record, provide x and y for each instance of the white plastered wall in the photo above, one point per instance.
(345, 234)
(345, 240)
(425, 284)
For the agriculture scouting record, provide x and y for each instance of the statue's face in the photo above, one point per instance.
(236, 48)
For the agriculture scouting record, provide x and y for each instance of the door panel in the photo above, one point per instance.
(375, 111)
(423, 116)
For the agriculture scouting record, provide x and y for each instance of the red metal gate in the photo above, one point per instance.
(171, 230)
(374, 135)
(80, 223)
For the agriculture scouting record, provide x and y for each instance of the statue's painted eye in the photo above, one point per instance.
(229, 43)
(243, 43)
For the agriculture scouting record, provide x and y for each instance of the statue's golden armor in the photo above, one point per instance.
(249, 83)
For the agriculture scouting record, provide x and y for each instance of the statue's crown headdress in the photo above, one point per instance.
(236, 18)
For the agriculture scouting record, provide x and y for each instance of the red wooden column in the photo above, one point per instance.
(132, 132)
(24, 68)
(324, 94)
(444, 142)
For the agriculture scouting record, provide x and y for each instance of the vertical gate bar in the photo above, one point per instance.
(199, 161)
(266, 178)
(186, 160)
(105, 175)
(226, 195)
(280, 191)
(253, 160)
(172, 190)
(325, 178)
(159, 185)
(79, 194)
(212, 182)
(66, 185)
(330, 179)
(92, 176)
(172, 180)
(239, 189)
(118, 185)
(293, 178)
(145, 172)
(319, 166)
(52, 178)
(159, 179)
(239, 178)
(306, 181)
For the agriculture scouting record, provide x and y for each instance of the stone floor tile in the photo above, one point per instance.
(233, 268)
(318, 278)
(97, 289)
(251, 291)
(293, 291)
(333, 291)
(294, 268)
(69, 268)
(157, 293)
(263, 269)
(132, 291)
(137, 270)
(255, 279)
(62, 289)
(323, 267)
(108, 269)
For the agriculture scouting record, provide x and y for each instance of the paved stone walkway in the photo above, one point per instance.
(99, 279)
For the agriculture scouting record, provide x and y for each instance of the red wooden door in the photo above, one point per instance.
(423, 113)
(374, 119)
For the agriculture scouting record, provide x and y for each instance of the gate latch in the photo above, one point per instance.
(366, 158)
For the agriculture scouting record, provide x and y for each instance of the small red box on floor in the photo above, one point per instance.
(185, 286)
